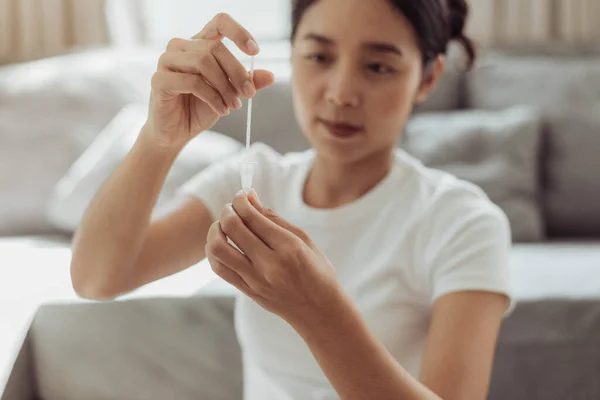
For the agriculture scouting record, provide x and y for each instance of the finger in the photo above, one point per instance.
(219, 248)
(255, 201)
(180, 44)
(169, 84)
(233, 68)
(288, 226)
(240, 78)
(206, 65)
(229, 276)
(265, 229)
(263, 78)
(233, 227)
(223, 25)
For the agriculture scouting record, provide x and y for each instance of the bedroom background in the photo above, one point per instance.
(524, 125)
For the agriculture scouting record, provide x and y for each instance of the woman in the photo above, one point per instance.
(370, 276)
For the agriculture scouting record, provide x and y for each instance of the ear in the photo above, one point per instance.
(431, 76)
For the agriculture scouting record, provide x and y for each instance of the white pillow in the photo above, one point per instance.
(74, 192)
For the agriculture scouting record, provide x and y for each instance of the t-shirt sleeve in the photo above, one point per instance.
(217, 184)
(473, 254)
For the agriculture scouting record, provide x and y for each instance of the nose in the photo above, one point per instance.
(343, 87)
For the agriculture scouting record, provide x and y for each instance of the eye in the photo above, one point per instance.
(380, 68)
(318, 58)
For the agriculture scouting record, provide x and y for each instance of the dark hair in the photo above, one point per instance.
(436, 23)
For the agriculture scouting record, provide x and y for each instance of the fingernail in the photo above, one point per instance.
(229, 209)
(248, 89)
(253, 193)
(225, 111)
(241, 193)
(252, 46)
(237, 103)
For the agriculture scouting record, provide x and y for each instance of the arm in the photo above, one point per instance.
(468, 277)
(117, 247)
(457, 361)
(285, 273)
(355, 362)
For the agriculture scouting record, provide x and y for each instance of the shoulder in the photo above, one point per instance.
(462, 238)
(269, 158)
(444, 199)
(260, 153)
(453, 215)
(266, 159)
(273, 169)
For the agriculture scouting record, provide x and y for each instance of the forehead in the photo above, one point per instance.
(347, 21)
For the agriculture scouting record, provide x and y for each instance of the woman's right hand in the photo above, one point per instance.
(199, 80)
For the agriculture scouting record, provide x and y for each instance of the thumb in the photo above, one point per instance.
(263, 78)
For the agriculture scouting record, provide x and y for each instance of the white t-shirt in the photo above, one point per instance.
(419, 234)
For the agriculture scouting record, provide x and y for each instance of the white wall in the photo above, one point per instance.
(265, 19)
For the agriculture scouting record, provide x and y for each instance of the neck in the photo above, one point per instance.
(331, 184)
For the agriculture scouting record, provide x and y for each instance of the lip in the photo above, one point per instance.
(341, 129)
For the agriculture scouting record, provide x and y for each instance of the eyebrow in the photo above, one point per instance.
(379, 47)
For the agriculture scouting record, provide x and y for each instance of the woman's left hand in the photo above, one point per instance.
(281, 269)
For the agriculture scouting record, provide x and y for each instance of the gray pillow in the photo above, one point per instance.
(572, 173)
(50, 111)
(449, 94)
(496, 150)
(546, 82)
(273, 120)
(74, 192)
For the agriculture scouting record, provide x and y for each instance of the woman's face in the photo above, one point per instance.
(357, 72)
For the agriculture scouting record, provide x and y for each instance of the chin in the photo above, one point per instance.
(355, 151)
(343, 153)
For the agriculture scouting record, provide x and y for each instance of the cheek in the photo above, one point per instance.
(390, 110)
(300, 102)
(304, 91)
(394, 102)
